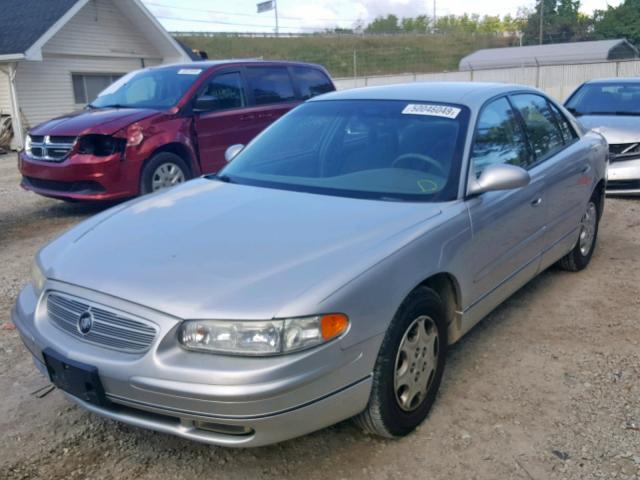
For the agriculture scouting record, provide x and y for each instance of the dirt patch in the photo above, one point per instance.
(546, 387)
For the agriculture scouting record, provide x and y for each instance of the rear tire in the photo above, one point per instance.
(163, 170)
(409, 367)
(580, 256)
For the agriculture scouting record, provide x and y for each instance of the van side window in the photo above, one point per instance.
(227, 89)
(311, 82)
(542, 129)
(270, 85)
(499, 138)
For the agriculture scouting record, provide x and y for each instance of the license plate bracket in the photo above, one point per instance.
(76, 378)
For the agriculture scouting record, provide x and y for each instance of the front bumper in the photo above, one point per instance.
(80, 177)
(623, 177)
(204, 397)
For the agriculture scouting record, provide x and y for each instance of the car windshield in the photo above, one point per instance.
(606, 99)
(150, 88)
(381, 149)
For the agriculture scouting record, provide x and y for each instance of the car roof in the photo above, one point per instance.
(615, 80)
(206, 64)
(472, 94)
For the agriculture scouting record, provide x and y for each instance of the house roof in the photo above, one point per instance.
(550, 54)
(26, 25)
(23, 22)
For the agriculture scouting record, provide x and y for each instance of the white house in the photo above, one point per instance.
(56, 55)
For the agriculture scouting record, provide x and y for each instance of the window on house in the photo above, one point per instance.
(87, 86)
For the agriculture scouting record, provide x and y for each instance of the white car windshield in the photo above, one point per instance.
(382, 149)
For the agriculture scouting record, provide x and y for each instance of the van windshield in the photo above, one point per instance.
(150, 88)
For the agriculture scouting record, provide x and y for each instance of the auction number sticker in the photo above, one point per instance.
(432, 110)
(190, 71)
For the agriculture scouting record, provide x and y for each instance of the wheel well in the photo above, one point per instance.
(600, 192)
(177, 149)
(447, 287)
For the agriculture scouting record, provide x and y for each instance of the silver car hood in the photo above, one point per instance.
(210, 249)
(615, 128)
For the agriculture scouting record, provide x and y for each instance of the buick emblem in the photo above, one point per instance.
(85, 322)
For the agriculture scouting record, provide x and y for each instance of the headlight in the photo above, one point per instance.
(99, 145)
(37, 277)
(27, 144)
(271, 337)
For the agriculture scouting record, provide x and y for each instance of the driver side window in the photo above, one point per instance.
(227, 90)
(499, 138)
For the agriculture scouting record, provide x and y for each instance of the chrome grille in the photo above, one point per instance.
(109, 329)
(624, 151)
(50, 148)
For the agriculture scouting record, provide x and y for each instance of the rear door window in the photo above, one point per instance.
(270, 85)
(568, 133)
(311, 82)
(542, 128)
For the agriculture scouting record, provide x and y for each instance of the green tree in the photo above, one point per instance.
(619, 22)
(388, 24)
(562, 22)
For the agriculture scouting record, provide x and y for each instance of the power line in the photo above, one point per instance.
(222, 22)
(253, 15)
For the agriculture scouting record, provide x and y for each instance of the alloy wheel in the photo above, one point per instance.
(416, 363)
(166, 175)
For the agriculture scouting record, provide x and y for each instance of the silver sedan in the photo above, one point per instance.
(612, 108)
(324, 272)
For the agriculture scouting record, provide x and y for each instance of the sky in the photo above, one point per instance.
(307, 16)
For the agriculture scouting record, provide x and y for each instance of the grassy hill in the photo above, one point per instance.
(375, 54)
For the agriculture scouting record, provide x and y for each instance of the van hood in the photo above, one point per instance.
(104, 121)
(615, 129)
(208, 249)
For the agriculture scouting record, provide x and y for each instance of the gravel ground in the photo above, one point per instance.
(546, 387)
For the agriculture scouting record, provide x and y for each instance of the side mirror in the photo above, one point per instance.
(500, 176)
(206, 103)
(233, 151)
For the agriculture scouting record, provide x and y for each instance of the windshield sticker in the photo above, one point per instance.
(190, 71)
(431, 110)
(428, 186)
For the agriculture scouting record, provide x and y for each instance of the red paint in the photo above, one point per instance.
(203, 137)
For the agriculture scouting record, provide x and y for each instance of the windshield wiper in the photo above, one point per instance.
(223, 178)
(622, 114)
(115, 105)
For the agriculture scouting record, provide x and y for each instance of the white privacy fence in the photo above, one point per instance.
(556, 80)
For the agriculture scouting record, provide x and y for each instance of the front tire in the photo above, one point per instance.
(409, 367)
(580, 256)
(163, 170)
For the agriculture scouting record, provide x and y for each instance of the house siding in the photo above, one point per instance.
(45, 89)
(5, 92)
(100, 29)
(98, 39)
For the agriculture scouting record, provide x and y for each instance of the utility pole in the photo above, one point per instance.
(541, 21)
(275, 9)
(434, 16)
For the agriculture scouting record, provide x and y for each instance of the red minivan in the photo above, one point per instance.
(160, 126)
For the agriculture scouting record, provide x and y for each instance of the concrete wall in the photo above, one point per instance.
(559, 81)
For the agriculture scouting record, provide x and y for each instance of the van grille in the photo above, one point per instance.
(50, 148)
(109, 329)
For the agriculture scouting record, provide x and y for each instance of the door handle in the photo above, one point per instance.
(248, 117)
(537, 202)
(585, 169)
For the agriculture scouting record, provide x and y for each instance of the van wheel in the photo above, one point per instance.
(580, 256)
(163, 170)
(409, 367)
